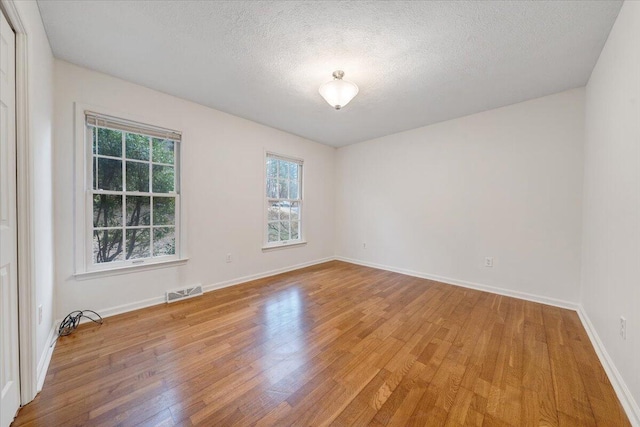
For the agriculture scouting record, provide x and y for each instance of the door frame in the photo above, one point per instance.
(26, 268)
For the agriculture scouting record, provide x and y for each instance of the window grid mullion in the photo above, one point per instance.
(152, 198)
(130, 160)
(133, 193)
(163, 164)
(137, 227)
(175, 184)
(104, 156)
(150, 165)
(124, 198)
(94, 158)
(152, 225)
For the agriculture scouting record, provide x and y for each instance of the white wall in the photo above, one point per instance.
(222, 187)
(611, 236)
(505, 183)
(40, 89)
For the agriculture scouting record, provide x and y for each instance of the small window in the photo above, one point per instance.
(134, 196)
(284, 201)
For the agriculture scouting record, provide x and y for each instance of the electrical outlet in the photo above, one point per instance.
(229, 259)
(40, 314)
(364, 245)
(623, 328)
(488, 261)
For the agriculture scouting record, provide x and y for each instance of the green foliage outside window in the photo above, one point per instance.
(134, 203)
(284, 200)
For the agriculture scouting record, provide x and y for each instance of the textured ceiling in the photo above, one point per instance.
(416, 63)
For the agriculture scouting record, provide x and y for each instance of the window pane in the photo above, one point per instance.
(109, 174)
(164, 211)
(284, 211)
(107, 210)
(273, 211)
(273, 231)
(138, 210)
(163, 151)
(162, 179)
(284, 230)
(295, 211)
(293, 171)
(164, 241)
(272, 168)
(138, 243)
(283, 189)
(137, 146)
(272, 188)
(107, 246)
(293, 189)
(94, 139)
(109, 142)
(283, 169)
(138, 176)
(94, 164)
(295, 230)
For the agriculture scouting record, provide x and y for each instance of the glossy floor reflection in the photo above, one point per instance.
(285, 328)
(332, 344)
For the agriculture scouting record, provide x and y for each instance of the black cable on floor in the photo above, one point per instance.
(72, 321)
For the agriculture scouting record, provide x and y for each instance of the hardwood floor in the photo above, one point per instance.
(334, 344)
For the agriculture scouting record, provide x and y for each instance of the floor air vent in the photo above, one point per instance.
(180, 294)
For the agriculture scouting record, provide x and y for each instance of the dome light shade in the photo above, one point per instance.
(338, 92)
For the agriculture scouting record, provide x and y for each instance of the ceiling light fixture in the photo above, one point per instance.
(338, 92)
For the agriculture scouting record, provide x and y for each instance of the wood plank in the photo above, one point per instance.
(333, 344)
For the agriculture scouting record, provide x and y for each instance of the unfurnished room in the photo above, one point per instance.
(319, 213)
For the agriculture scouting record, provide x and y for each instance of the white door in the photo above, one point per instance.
(9, 370)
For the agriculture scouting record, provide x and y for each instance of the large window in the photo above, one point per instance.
(134, 197)
(284, 201)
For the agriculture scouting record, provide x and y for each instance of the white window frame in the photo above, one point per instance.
(266, 245)
(84, 264)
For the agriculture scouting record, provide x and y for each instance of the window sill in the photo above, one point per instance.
(129, 269)
(288, 245)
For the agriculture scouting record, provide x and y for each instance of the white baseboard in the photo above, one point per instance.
(624, 394)
(125, 308)
(620, 387)
(239, 280)
(43, 365)
(112, 311)
(45, 359)
(471, 285)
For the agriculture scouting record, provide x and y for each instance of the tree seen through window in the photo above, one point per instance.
(284, 199)
(134, 195)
